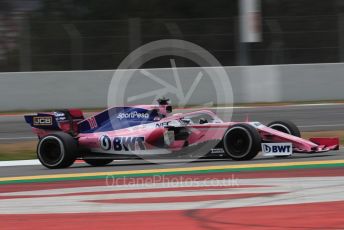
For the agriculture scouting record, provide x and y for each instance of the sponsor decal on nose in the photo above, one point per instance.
(277, 149)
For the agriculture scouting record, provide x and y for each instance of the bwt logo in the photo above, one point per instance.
(122, 143)
(277, 148)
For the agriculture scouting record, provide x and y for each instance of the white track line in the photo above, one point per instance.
(19, 163)
(18, 138)
(298, 191)
(36, 162)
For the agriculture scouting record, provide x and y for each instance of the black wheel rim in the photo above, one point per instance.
(50, 151)
(237, 142)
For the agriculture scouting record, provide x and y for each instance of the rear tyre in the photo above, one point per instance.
(285, 126)
(242, 142)
(98, 162)
(58, 150)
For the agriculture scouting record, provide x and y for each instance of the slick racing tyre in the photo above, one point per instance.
(241, 142)
(57, 150)
(285, 127)
(98, 162)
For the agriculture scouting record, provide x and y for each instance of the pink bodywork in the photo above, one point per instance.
(198, 133)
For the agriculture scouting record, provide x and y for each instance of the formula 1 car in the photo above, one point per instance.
(152, 130)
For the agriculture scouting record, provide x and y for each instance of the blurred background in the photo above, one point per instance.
(55, 35)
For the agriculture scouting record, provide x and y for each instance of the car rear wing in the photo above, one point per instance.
(63, 120)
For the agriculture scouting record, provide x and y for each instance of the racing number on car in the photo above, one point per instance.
(92, 122)
(122, 143)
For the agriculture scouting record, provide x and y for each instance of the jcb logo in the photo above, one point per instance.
(42, 121)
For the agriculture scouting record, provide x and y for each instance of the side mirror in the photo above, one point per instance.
(169, 109)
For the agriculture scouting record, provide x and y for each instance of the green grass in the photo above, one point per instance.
(18, 151)
(24, 155)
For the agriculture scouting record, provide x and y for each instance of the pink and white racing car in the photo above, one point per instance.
(153, 131)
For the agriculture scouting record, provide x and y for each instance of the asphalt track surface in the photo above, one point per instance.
(279, 199)
(307, 117)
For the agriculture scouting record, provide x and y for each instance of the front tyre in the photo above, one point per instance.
(241, 142)
(57, 150)
(285, 126)
(98, 162)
